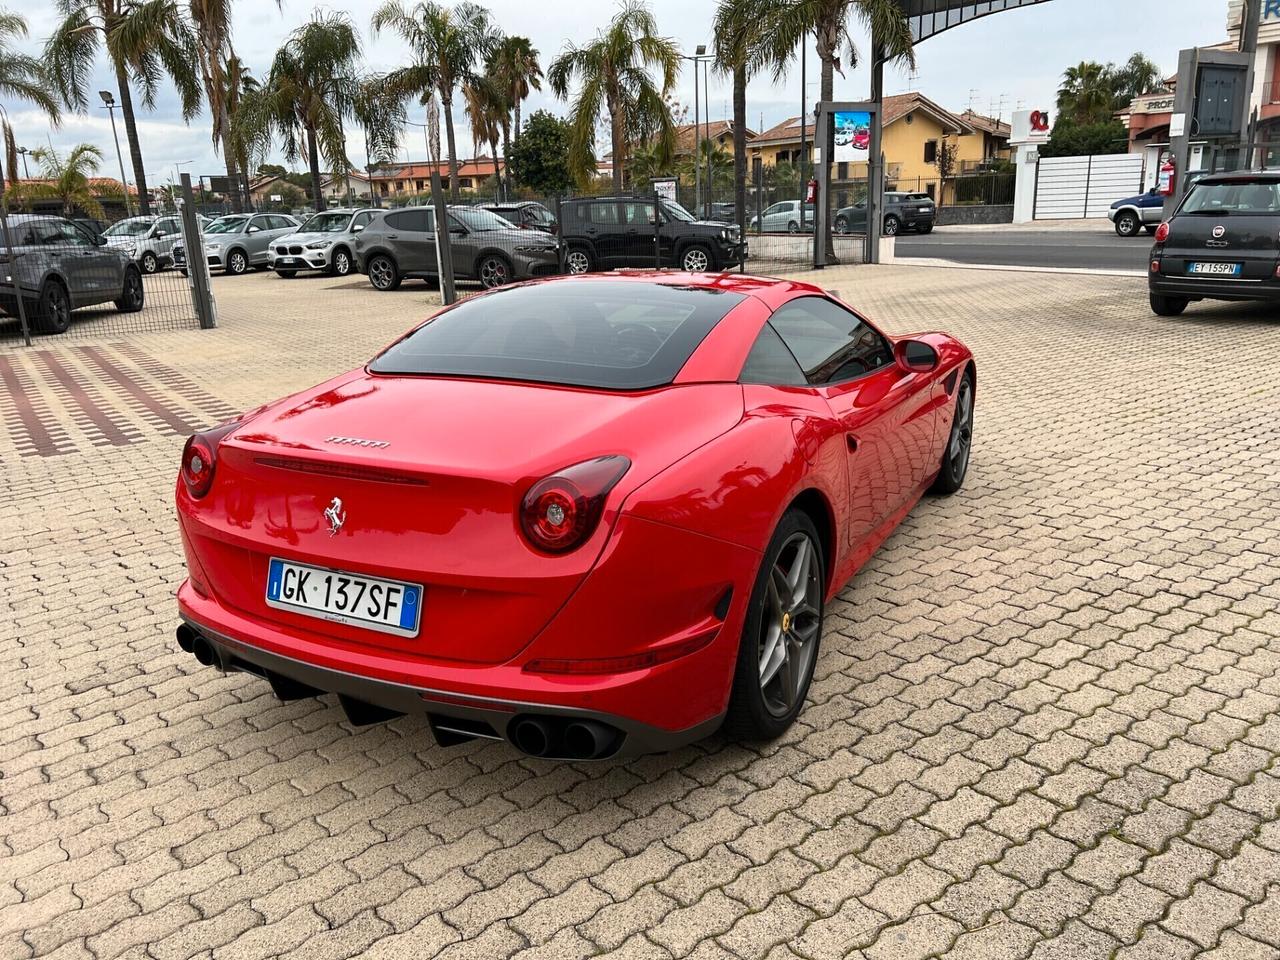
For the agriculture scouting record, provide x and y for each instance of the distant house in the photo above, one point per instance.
(989, 141)
(719, 132)
(337, 189)
(391, 180)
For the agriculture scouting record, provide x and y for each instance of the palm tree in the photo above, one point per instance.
(305, 97)
(488, 116)
(146, 41)
(379, 109)
(514, 65)
(710, 156)
(647, 163)
(66, 181)
(221, 72)
(614, 74)
(740, 51)
(21, 78)
(1086, 92)
(446, 44)
(1138, 76)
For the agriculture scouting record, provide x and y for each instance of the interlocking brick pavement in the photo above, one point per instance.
(1044, 723)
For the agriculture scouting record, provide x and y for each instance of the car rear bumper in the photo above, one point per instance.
(1198, 289)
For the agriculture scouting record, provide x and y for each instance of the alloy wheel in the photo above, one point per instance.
(237, 263)
(380, 273)
(149, 262)
(493, 272)
(578, 261)
(842, 225)
(133, 291)
(696, 260)
(961, 430)
(57, 308)
(790, 624)
(341, 263)
(890, 226)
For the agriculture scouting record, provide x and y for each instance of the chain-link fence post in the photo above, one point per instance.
(12, 278)
(657, 231)
(444, 251)
(197, 262)
(562, 248)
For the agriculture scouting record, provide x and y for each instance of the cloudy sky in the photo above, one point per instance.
(996, 64)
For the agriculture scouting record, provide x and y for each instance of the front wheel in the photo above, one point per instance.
(494, 272)
(695, 259)
(1128, 224)
(891, 226)
(237, 262)
(53, 310)
(132, 295)
(341, 265)
(383, 273)
(1167, 306)
(779, 645)
(150, 262)
(955, 458)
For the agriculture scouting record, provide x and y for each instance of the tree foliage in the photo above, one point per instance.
(65, 179)
(1092, 92)
(1071, 139)
(539, 157)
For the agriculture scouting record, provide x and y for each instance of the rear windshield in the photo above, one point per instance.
(1237, 196)
(612, 335)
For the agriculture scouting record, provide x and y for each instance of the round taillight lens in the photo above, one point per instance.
(561, 511)
(197, 466)
(1162, 232)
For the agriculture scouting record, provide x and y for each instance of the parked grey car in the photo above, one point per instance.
(323, 242)
(57, 266)
(784, 217)
(902, 211)
(148, 240)
(236, 242)
(402, 243)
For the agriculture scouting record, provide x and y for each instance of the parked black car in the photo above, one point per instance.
(524, 214)
(603, 233)
(399, 244)
(902, 211)
(57, 266)
(1222, 243)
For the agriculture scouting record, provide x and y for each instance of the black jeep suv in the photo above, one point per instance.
(603, 233)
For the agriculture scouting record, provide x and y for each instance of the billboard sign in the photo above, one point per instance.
(852, 131)
(1030, 126)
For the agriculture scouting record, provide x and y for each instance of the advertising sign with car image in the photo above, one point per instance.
(852, 136)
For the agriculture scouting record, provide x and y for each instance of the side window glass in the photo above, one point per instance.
(69, 233)
(637, 214)
(830, 343)
(604, 212)
(771, 363)
(361, 220)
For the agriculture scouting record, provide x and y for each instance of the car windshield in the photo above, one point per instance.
(676, 212)
(326, 223)
(128, 228)
(610, 335)
(1241, 197)
(227, 225)
(473, 218)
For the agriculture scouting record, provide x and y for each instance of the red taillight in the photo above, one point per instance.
(560, 512)
(1155, 266)
(200, 456)
(1162, 232)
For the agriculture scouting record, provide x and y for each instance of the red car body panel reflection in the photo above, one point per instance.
(658, 590)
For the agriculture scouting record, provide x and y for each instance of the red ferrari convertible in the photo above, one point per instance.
(592, 516)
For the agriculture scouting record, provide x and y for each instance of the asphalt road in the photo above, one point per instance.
(1097, 249)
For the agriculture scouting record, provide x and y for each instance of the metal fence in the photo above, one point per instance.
(76, 276)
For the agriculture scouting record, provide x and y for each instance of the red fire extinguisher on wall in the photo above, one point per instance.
(811, 191)
(1168, 177)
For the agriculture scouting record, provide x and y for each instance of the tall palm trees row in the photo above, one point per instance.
(626, 74)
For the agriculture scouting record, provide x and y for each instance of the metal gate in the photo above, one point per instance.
(1074, 188)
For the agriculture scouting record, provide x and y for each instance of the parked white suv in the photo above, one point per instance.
(148, 240)
(323, 242)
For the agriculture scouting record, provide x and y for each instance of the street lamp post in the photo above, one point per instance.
(177, 178)
(110, 103)
(26, 174)
(699, 57)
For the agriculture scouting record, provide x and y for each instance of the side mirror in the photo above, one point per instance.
(915, 356)
(458, 231)
(254, 230)
(100, 240)
(357, 228)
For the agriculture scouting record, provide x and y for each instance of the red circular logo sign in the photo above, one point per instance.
(1040, 120)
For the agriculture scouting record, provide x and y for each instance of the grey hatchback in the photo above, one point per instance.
(57, 266)
(485, 247)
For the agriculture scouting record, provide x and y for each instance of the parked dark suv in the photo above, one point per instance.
(902, 211)
(402, 243)
(58, 266)
(603, 233)
(525, 214)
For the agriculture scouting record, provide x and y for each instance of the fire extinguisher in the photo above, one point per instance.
(811, 191)
(1168, 177)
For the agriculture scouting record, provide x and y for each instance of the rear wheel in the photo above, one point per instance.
(926, 228)
(383, 273)
(955, 458)
(1168, 306)
(237, 262)
(53, 309)
(779, 645)
(793, 227)
(150, 263)
(1128, 224)
(132, 296)
(1151, 228)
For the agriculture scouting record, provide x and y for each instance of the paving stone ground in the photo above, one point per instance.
(1044, 722)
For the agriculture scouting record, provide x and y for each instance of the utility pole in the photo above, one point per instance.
(804, 116)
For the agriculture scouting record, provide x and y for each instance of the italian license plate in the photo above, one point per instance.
(925, 209)
(389, 606)
(1214, 269)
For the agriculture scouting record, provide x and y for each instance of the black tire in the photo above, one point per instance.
(237, 262)
(52, 312)
(754, 713)
(287, 274)
(150, 263)
(133, 296)
(384, 275)
(793, 227)
(183, 271)
(1128, 224)
(955, 455)
(842, 225)
(1167, 306)
(892, 225)
(494, 271)
(579, 260)
(926, 228)
(341, 264)
(697, 258)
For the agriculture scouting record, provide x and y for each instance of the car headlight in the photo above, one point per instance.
(320, 245)
(131, 249)
(726, 234)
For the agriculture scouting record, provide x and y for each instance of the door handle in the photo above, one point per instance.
(393, 236)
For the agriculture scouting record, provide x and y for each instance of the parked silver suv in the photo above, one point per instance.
(323, 242)
(57, 266)
(236, 242)
(148, 240)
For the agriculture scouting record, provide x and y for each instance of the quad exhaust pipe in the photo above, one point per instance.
(193, 643)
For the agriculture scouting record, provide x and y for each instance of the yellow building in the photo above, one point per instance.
(988, 142)
(915, 129)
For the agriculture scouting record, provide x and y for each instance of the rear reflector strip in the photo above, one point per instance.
(342, 470)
